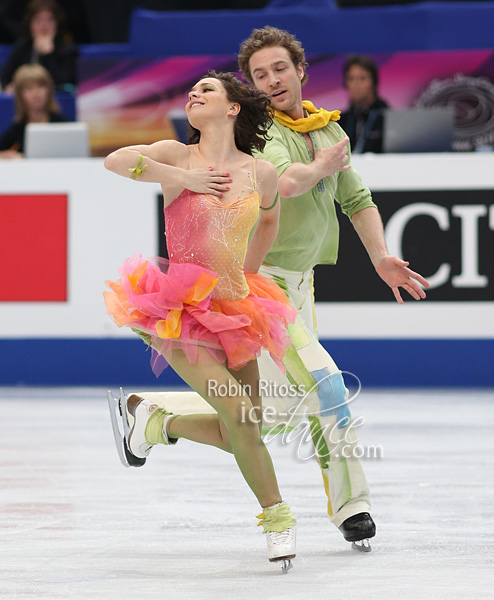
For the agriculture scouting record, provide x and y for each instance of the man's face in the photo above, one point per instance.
(360, 86)
(274, 73)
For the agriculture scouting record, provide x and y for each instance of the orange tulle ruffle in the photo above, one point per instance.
(170, 305)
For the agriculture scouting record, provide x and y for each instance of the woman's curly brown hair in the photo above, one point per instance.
(253, 120)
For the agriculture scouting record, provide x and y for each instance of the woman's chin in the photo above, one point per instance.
(196, 121)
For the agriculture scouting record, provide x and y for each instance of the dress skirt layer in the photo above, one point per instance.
(172, 305)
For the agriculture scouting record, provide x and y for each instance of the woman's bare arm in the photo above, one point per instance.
(166, 163)
(267, 225)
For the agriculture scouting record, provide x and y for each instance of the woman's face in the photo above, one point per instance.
(35, 95)
(207, 99)
(360, 86)
(43, 24)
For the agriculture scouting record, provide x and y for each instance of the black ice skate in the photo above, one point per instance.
(121, 429)
(358, 529)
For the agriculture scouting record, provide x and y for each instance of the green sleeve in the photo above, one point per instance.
(276, 150)
(351, 193)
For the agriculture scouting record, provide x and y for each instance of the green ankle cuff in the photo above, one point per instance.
(154, 427)
(276, 519)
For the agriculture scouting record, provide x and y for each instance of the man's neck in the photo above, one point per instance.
(297, 112)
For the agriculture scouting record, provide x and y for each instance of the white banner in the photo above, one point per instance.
(110, 218)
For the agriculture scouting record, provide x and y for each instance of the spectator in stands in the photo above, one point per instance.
(34, 103)
(43, 44)
(363, 121)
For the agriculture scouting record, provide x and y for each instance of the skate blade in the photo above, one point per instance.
(132, 461)
(114, 406)
(286, 562)
(286, 566)
(122, 402)
(362, 545)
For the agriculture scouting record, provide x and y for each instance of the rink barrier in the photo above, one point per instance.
(465, 363)
(48, 339)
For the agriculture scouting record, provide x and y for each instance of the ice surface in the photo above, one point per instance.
(75, 524)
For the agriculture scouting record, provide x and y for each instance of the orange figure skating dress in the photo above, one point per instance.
(201, 296)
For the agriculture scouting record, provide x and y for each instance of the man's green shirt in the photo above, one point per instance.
(309, 232)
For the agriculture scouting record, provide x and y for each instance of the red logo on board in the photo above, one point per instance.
(33, 247)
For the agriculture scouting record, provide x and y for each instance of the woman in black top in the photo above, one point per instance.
(34, 103)
(44, 45)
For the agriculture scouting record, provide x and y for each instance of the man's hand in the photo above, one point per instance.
(206, 181)
(395, 272)
(333, 159)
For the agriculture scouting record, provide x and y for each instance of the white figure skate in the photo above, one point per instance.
(281, 547)
(121, 429)
(134, 412)
(278, 523)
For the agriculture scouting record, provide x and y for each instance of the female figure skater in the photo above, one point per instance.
(207, 311)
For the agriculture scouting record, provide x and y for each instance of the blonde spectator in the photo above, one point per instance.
(35, 102)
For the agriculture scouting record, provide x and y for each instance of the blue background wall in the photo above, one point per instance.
(377, 363)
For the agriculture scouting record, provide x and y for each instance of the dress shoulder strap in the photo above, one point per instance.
(253, 177)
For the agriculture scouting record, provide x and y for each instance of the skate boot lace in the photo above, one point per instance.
(284, 537)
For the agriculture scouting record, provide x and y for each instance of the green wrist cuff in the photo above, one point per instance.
(138, 170)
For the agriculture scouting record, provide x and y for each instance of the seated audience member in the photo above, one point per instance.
(363, 121)
(34, 103)
(43, 44)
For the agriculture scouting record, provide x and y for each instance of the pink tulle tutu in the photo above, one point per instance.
(171, 305)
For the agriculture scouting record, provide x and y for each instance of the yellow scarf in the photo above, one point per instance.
(317, 118)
